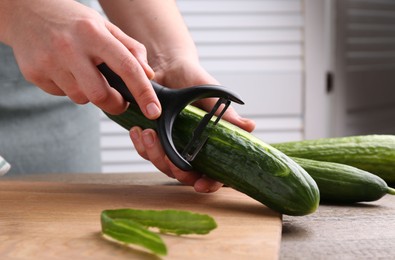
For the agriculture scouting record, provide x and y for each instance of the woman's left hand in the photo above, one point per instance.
(181, 74)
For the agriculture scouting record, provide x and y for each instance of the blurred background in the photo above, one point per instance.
(306, 69)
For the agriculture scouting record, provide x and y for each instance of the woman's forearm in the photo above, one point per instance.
(157, 24)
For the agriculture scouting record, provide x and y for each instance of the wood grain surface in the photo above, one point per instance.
(49, 220)
(361, 231)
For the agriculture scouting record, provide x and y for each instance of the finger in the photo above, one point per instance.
(207, 185)
(138, 84)
(123, 63)
(155, 152)
(230, 115)
(44, 82)
(136, 48)
(93, 84)
(50, 87)
(233, 117)
(185, 177)
(136, 137)
(67, 82)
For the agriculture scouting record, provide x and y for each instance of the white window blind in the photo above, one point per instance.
(254, 47)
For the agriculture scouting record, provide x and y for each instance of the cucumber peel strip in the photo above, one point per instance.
(130, 226)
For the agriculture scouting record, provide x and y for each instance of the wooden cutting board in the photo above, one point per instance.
(42, 220)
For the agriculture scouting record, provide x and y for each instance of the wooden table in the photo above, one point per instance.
(360, 231)
(57, 217)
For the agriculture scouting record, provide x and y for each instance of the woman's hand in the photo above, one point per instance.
(179, 74)
(58, 45)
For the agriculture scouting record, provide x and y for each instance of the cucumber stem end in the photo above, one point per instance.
(391, 191)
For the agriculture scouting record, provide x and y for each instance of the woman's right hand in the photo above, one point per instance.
(58, 44)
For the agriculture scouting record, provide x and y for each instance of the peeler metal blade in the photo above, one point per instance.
(199, 137)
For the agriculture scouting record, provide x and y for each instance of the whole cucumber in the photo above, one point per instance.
(343, 183)
(372, 153)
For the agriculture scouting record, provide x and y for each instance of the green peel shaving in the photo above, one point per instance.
(131, 226)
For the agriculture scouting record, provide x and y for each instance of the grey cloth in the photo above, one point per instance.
(41, 133)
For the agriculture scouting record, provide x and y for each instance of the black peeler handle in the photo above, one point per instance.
(116, 82)
(173, 101)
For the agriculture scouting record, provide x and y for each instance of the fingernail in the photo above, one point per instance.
(148, 138)
(153, 110)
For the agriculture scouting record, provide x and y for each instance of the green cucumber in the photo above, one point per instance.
(372, 153)
(343, 183)
(241, 161)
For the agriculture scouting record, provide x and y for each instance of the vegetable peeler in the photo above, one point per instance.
(173, 101)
